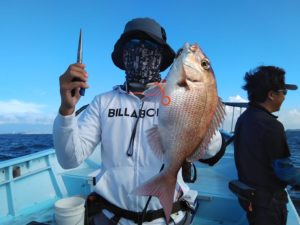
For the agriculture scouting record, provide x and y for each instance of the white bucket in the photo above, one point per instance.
(70, 211)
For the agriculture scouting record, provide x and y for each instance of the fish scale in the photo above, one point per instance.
(186, 125)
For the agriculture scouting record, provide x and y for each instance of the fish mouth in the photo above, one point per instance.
(193, 80)
(188, 83)
(194, 70)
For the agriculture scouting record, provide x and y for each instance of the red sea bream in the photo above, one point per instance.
(189, 115)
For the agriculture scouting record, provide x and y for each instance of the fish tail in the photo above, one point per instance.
(163, 187)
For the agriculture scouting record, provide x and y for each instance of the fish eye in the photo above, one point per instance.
(205, 64)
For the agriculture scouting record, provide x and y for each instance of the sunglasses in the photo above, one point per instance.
(142, 42)
(284, 91)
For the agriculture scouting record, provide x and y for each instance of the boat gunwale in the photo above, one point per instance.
(26, 158)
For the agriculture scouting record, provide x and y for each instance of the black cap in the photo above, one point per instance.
(291, 87)
(143, 28)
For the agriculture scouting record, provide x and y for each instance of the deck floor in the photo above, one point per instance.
(45, 216)
(201, 221)
(212, 182)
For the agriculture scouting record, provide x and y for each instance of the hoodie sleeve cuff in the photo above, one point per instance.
(66, 121)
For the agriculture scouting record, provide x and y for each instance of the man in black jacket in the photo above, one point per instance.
(261, 149)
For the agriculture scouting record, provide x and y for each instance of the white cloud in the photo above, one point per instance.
(290, 118)
(19, 112)
(18, 107)
(237, 98)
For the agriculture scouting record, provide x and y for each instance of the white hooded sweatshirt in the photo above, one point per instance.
(110, 120)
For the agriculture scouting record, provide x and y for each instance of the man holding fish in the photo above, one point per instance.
(147, 128)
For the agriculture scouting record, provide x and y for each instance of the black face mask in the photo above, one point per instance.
(142, 60)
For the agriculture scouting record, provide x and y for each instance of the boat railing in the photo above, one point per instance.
(16, 178)
(231, 116)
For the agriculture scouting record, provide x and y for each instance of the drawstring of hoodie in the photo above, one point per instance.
(131, 142)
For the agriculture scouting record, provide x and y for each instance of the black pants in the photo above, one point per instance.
(266, 209)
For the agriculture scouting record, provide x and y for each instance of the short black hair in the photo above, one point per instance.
(261, 80)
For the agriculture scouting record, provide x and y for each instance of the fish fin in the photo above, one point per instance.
(154, 141)
(163, 187)
(214, 125)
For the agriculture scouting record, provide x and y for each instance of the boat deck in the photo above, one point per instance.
(45, 216)
(217, 205)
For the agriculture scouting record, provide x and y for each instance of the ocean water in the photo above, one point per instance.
(293, 137)
(16, 145)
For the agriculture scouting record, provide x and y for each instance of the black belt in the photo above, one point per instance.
(96, 203)
(279, 195)
(246, 192)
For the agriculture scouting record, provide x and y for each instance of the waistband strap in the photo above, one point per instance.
(96, 203)
(279, 195)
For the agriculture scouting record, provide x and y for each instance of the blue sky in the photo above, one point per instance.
(39, 40)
